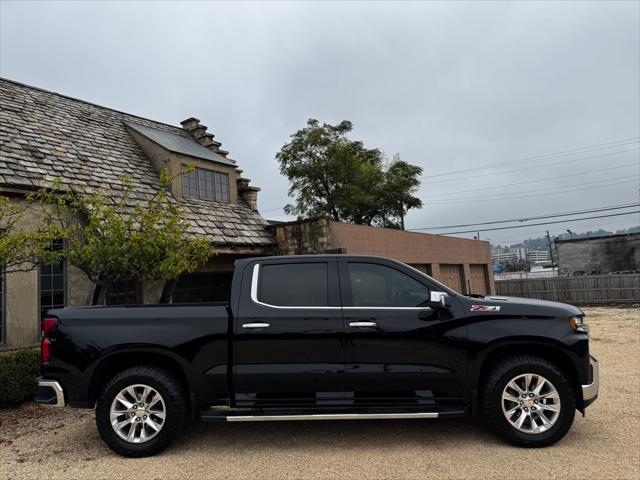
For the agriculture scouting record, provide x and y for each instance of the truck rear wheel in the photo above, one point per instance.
(528, 401)
(140, 411)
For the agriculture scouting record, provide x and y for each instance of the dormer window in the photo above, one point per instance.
(213, 176)
(205, 184)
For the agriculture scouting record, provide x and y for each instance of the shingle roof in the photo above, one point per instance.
(179, 143)
(45, 136)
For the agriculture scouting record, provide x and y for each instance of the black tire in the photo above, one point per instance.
(175, 405)
(491, 400)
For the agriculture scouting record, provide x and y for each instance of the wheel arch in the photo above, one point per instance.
(109, 366)
(537, 348)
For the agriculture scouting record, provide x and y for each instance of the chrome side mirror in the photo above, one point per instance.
(439, 297)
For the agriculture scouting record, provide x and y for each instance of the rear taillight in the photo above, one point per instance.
(45, 350)
(48, 325)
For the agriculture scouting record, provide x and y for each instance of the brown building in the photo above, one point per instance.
(464, 265)
(46, 137)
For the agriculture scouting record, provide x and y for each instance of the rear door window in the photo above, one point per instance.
(294, 284)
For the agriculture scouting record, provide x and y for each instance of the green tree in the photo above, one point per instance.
(401, 181)
(335, 176)
(117, 238)
(20, 248)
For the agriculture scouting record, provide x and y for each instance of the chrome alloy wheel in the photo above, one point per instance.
(531, 403)
(137, 413)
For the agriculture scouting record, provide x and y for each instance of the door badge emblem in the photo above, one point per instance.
(485, 308)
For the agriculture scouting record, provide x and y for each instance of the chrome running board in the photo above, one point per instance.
(329, 416)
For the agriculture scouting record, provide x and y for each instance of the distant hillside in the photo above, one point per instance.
(540, 243)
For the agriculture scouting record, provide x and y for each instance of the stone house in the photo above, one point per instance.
(46, 137)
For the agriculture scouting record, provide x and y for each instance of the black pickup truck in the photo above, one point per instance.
(323, 337)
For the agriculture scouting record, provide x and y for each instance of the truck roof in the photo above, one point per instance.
(315, 256)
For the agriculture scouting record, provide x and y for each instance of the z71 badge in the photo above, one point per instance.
(485, 308)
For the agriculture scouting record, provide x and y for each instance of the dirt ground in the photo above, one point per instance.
(38, 442)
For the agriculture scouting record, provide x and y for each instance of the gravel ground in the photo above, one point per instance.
(38, 442)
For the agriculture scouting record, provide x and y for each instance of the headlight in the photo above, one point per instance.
(577, 323)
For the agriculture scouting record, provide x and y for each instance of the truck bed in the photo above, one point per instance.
(195, 337)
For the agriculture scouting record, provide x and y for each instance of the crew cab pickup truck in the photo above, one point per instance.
(322, 337)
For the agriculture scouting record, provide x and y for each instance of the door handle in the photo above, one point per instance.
(363, 324)
(256, 325)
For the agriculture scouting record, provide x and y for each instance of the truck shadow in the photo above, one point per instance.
(222, 437)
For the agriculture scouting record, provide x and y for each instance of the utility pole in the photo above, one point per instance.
(550, 249)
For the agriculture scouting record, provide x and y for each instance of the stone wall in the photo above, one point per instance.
(20, 316)
(589, 256)
(20, 302)
(302, 238)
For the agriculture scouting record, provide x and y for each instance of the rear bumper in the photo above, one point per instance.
(50, 393)
(590, 391)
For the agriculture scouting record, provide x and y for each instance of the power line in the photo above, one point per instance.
(555, 177)
(584, 228)
(526, 168)
(525, 192)
(599, 146)
(543, 223)
(466, 199)
(534, 166)
(537, 217)
(616, 224)
(499, 198)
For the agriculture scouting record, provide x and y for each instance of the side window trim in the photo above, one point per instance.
(255, 279)
(388, 308)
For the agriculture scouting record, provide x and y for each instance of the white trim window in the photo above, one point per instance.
(52, 282)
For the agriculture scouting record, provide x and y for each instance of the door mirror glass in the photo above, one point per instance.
(439, 298)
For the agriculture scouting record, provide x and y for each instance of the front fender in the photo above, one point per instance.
(551, 339)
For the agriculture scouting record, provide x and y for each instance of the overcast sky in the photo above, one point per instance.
(449, 86)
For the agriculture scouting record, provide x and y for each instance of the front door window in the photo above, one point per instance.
(374, 285)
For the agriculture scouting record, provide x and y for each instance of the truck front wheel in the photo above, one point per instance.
(140, 411)
(528, 401)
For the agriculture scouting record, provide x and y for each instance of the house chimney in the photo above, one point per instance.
(248, 193)
(190, 123)
(207, 140)
(199, 133)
